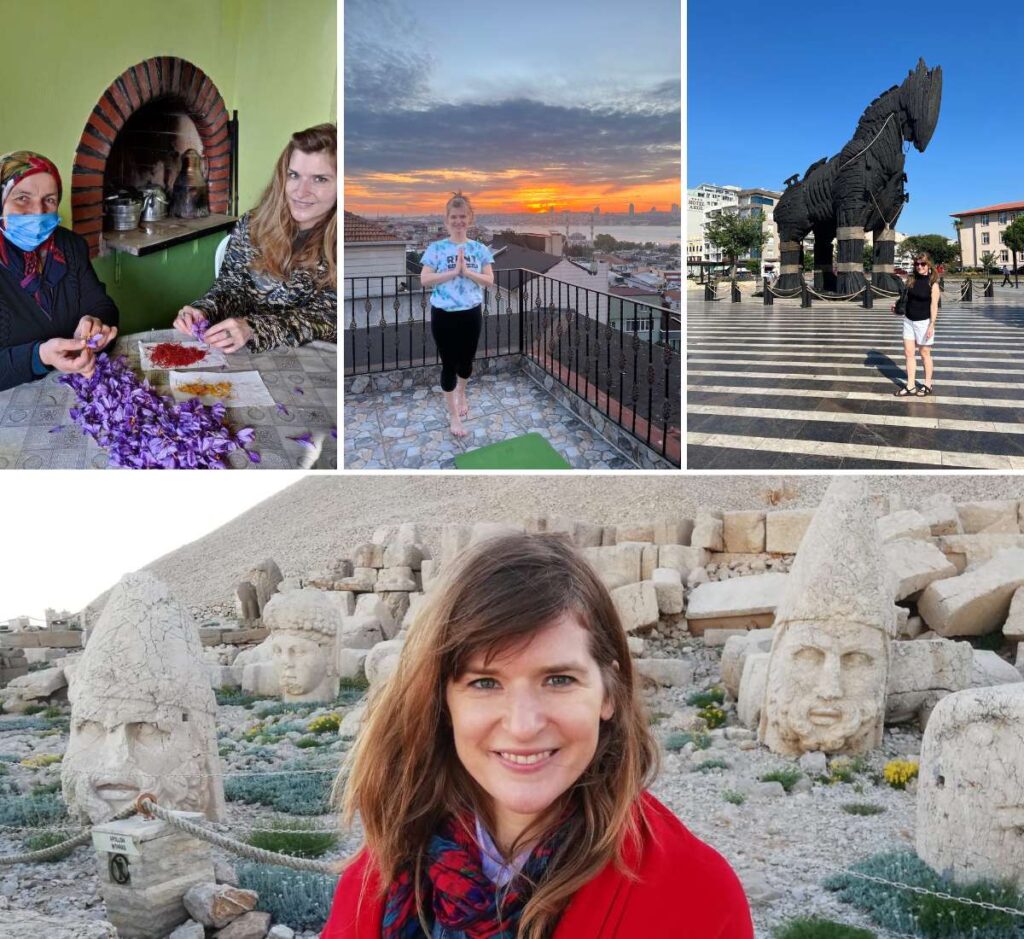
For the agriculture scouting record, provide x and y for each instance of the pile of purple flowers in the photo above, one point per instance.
(143, 430)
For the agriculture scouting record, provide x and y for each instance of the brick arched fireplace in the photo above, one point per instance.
(167, 98)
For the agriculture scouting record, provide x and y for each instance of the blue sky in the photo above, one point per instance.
(560, 101)
(772, 87)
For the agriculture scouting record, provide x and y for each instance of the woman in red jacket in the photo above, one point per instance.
(501, 774)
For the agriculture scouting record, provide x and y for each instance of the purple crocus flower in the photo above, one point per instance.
(305, 439)
(141, 429)
(199, 329)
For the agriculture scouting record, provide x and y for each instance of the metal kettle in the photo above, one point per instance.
(154, 203)
(190, 197)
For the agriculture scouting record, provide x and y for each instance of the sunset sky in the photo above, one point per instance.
(571, 104)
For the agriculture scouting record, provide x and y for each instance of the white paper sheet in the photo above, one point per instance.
(214, 358)
(247, 388)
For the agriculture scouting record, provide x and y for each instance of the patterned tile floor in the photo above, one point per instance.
(787, 388)
(408, 429)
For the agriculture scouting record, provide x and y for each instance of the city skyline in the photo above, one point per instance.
(813, 89)
(586, 112)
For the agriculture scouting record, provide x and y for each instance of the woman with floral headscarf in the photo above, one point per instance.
(54, 312)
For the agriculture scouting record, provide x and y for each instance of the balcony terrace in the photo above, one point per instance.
(597, 376)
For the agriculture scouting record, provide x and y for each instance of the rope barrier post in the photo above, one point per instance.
(709, 291)
(734, 291)
(768, 298)
(990, 289)
(145, 868)
(805, 295)
(869, 300)
(968, 290)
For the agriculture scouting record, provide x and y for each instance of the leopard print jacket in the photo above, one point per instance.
(280, 313)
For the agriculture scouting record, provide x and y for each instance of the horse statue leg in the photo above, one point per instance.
(883, 264)
(791, 258)
(824, 276)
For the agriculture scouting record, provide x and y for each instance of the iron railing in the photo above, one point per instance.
(620, 356)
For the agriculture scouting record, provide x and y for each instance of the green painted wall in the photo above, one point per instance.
(274, 62)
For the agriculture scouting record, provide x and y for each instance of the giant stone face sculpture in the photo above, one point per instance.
(970, 796)
(143, 714)
(304, 627)
(829, 661)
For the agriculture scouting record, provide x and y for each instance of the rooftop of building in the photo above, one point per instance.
(359, 229)
(1001, 207)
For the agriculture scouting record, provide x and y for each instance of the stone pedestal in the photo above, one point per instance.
(145, 868)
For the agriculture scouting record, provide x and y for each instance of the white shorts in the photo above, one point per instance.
(916, 329)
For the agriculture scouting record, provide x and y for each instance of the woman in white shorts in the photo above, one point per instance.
(919, 325)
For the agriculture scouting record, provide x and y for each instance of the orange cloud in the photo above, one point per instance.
(513, 190)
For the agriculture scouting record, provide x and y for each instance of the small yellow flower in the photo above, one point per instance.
(325, 723)
(44, 759)
(898, 773)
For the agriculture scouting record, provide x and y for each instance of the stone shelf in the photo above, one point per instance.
(150, 237)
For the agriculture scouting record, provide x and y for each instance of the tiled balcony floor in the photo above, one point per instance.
(408, 429)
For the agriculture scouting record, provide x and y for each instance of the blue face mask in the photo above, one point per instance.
(28, 232)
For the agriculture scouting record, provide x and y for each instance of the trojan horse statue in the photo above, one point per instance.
(859, 189)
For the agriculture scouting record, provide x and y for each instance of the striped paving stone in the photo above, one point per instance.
(787, 388)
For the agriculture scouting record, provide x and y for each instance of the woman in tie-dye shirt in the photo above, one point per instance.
(458, 270)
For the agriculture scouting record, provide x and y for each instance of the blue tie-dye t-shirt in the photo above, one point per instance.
(460, 293)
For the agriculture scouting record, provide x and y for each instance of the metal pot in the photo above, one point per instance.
(123, 212)
(154, 203)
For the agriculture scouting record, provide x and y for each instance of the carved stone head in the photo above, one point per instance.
(970, 797)
(829, 661)
(304, 627)
(143, 713)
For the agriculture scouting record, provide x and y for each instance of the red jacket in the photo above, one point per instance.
(686, 890)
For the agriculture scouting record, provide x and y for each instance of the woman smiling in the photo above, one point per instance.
(279, 282)
(501, 774)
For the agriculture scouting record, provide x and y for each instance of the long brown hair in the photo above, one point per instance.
(404, 776)
(933, 275)
(273, 229)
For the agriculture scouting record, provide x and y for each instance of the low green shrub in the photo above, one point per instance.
(53, 711)
(46, 789)
(30, 811)
(863, 808)
(293, 793)
(676, 741)
(733, 797)
(708, 765)
(788, 777)
(325, 724)
(925, 915)
(815, 928)
(299, 899)
(845, 769)
(228, 697)
(712, 715)
(23, 723)
(703, 699)
(294, 837)
(305, 743)
(31, 709)
(47, 839)
(656, 717)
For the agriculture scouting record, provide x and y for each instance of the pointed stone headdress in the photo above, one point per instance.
(144, 657)
(839, 572)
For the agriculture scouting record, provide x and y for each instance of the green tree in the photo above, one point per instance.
(869, 258)
(1013, 238)
(605, 243)
(937, 246)
(988, 261)
(735, 236)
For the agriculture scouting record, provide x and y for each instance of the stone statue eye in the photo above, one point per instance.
(856, 659)
(809, 655)
(147, 732)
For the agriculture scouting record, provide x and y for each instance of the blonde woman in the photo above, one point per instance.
(279, 282)
(922, 311)
(459, 270)
(501, 775)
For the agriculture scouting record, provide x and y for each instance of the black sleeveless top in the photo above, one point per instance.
(919, 300)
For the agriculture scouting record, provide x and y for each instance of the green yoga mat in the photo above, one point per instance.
(531, 451)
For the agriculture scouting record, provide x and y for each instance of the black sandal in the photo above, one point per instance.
(924, 390)
(906, 392)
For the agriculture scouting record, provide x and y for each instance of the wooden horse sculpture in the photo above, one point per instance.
(859, 189)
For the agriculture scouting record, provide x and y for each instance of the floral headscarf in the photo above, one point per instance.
(37, 272)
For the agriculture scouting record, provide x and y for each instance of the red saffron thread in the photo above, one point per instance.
(173, 354)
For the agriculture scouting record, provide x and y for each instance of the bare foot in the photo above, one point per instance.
(463, 405)
(457, 429)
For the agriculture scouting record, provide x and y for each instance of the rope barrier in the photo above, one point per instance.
(55, 851)
(149, 807)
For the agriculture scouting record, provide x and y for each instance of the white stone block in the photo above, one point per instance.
(784, 530)
(637, 605)
(915, 564)
(978, 601)
(743, 532)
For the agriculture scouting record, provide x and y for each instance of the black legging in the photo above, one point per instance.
(456, 334)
